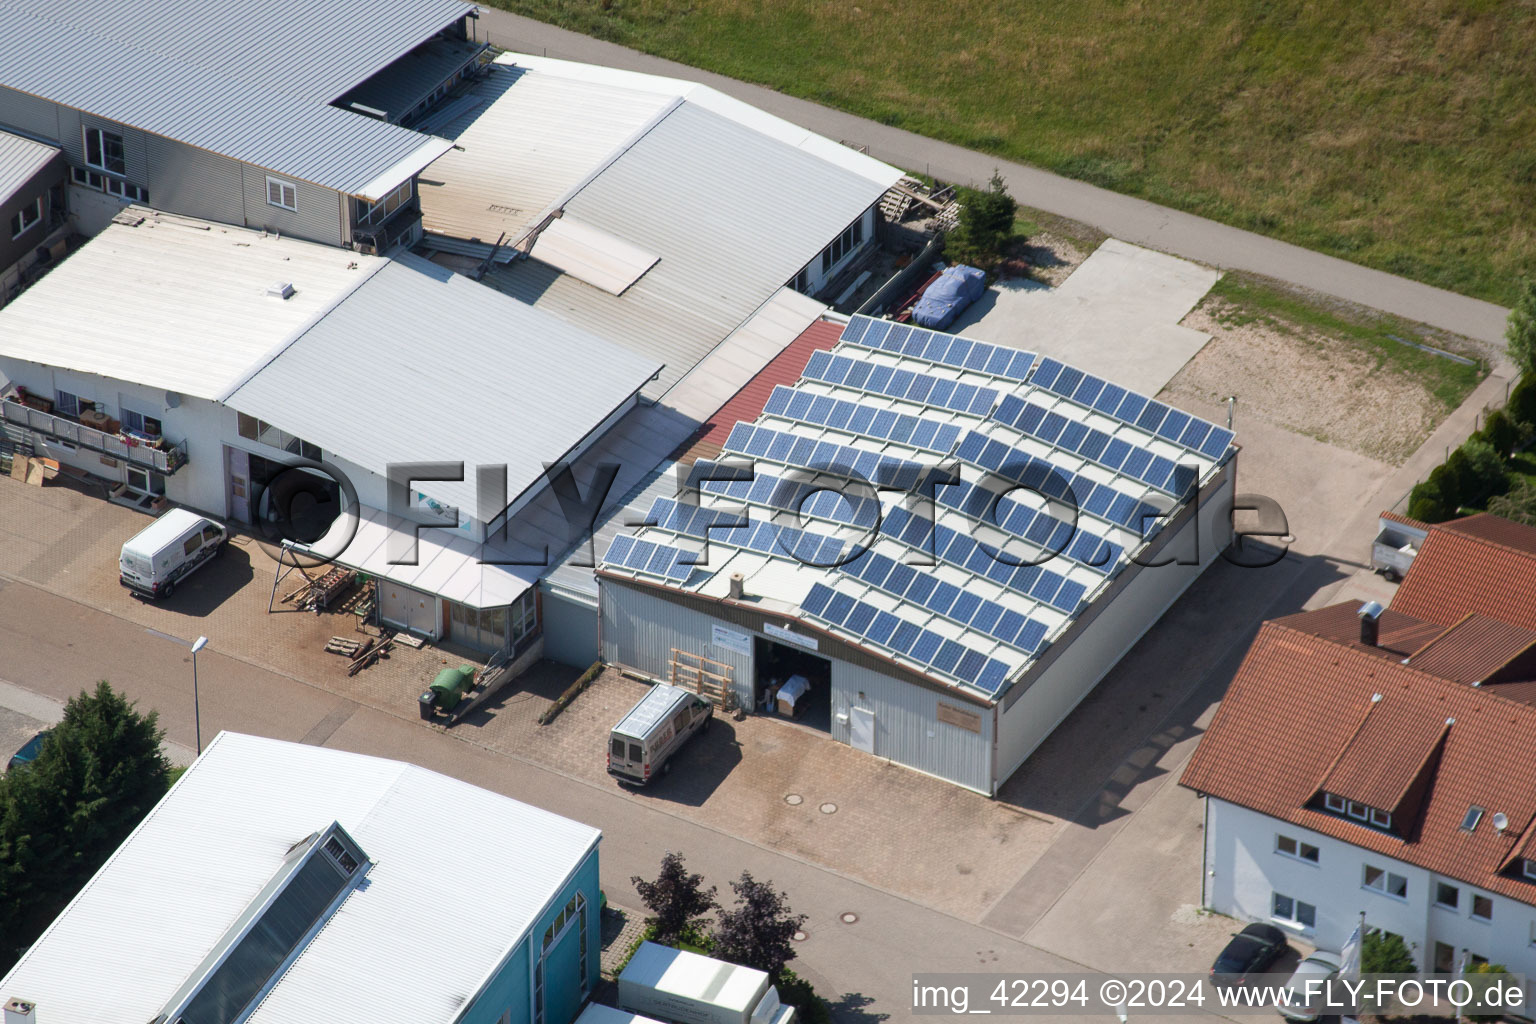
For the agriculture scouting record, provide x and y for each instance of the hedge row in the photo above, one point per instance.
(1478, 470)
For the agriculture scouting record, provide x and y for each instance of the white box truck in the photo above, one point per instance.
(687, 988)
(597, 1013)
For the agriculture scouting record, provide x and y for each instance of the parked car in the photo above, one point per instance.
(944, 299)
(1316, 969)
(1250, 951)
(166, 551)
(642, 744)
(28, 752)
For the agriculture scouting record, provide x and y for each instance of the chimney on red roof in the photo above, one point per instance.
(1370, 623)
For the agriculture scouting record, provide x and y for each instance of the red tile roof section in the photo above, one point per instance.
(1478, 564)
(1398, 517)
(1298, 700)
(1398, 635)
(785, 368)
(1475, 650)
(1385, 757)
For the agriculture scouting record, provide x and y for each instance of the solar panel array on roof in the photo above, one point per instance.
(1149, 414)
(664, 560)
(955, 506)
(938, 347)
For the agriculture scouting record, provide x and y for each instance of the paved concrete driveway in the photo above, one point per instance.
(1117, 315)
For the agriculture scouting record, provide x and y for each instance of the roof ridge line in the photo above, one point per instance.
(1477, 538)
(1447, 631)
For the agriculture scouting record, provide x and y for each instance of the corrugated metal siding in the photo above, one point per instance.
(726, 246)
(570, 630)
(319, 214)
(136, 163)
(168, 69)
(29, 114)
(907, 728)
(21, 160)
(640, 630)
(194, 182)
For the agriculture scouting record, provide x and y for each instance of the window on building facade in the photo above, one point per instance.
(1294, 911)
(66, 404)
(1447, 896)
(138, 423)
(282, 194)
(377, 213)
(1384, 881)
(1482, 907)
(253, 429)
(104, 151)
(112, 186)
(1296, 848)
(1335, 803)
(27, 217)
(842, 245)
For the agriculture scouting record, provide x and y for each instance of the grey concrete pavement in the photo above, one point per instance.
(1134, 220)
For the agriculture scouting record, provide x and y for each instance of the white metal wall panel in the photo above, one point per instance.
(907, 729)
(319, 214)
(194, 182)
(570, 630)
(639, 631)
(31, 114)
(1126, 616)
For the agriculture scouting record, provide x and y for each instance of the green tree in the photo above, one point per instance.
(759, 930)
(96, 777)
(677, 901)
(1426, 504)
(1385, 953)
(1521, 332)
(984, 226)
(1501, 432)
(1481, 472)
(1522, 401)
(1519, 504)
(1481, 971)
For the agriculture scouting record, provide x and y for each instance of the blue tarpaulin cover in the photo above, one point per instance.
(956, 288)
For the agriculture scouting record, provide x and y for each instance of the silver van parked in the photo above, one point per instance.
(645, 739)
(162, 554)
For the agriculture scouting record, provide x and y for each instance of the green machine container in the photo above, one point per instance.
(451, 685)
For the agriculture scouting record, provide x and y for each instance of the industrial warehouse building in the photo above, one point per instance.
(279, 883)
(946, 626)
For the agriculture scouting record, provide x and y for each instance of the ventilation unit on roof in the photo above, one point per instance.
(19, 1011)
(1370, 623)
(1500, 820)
(281, 289)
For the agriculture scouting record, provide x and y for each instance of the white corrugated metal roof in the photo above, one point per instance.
(175, 303)
(1063, 478)
(250, 81)
(146, 920)
(734, 201)
(451, 371)
(733, 214)
(20, 160)
(523, 141)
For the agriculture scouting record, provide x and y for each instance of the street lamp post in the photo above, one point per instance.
(197, 717)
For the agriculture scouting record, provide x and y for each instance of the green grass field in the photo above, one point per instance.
(1395, 133)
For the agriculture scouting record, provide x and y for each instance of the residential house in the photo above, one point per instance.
(32, 207)
(1378, 762)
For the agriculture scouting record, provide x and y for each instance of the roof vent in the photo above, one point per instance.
(19, 1011)
(737, 586)
(1370, 623)
(1500, 820)
(281, 289)
(1375, 698)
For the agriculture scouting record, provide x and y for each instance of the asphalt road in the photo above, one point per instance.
(1134, 220)
(59, 647)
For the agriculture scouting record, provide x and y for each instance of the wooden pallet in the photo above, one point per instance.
(704, 676)
(342, 645)
(408, 640)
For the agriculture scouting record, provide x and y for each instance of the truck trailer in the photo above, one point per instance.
(687, 988)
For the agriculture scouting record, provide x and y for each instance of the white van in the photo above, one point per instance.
(164, 552)
(642, 743)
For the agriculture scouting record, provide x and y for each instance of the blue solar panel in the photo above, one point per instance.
(948, 656)
(926, 647)
(992, 676)
(1167, 422)
(881, 629)
(816, 601)
(970, 665)
(937, 347)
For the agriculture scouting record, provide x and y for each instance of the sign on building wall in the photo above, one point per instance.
(968, 720)
(790, 637)
(731, 640)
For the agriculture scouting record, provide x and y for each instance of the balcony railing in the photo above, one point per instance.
(165, 459)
